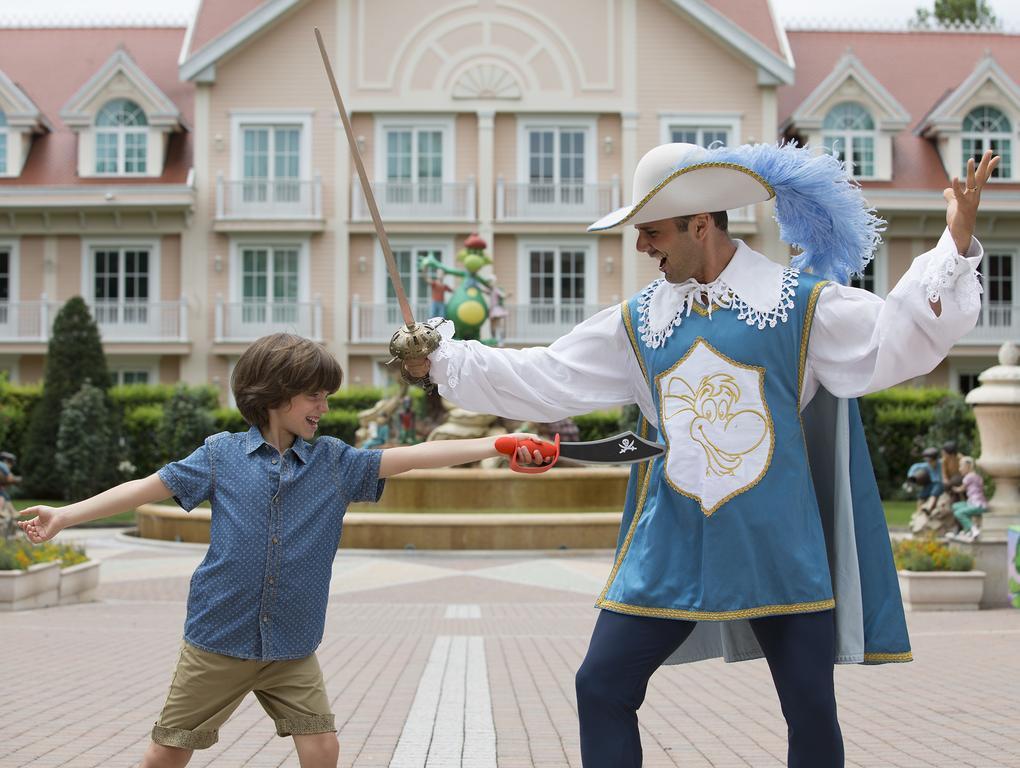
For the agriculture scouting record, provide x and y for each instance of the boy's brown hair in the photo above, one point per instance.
(276, 368)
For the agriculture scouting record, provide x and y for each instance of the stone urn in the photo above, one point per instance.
(996, 404)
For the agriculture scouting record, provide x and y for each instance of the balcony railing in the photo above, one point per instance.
(524, 324)
(139, 321)
(416, 201)
(555, 202)
(269, 198)
(142, 321)
(27, 320)
(998, 322)
(248, 320)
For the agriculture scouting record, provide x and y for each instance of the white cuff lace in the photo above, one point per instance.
(446, 330)
(944, 274)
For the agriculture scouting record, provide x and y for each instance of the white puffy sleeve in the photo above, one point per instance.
(591, 367)
(861, 343)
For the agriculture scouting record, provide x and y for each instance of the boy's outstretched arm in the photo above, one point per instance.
(447, 453)
(49, 521)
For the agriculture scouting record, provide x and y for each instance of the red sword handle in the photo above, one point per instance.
(509, 444)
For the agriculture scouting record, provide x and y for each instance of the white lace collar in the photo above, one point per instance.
(759, 289)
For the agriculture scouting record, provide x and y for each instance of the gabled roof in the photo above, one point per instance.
(945, 115)
(220, 27)
(52, 81)
(915, 67)
(76, 112)
(751, 29)
(807, 115)
(25, 112)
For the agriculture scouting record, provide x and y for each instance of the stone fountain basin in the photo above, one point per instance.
(459, 509)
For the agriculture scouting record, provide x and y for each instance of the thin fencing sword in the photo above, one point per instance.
(366, 188)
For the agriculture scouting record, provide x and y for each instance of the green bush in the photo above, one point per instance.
(229, 420)
(86, 456)
(356, 398)
(900, 422)
(340, 424)
(129, 396)
(187, 422)
(140, 430)
(597, 425)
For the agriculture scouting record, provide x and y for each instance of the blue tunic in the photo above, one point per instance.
(727, 526)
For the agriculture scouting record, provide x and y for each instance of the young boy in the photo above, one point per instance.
(257, 603)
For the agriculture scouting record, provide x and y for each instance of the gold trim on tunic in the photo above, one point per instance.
(743, 613)
(886, 658)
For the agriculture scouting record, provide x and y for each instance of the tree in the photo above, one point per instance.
(950, 13)
(86, 453)
(74, 355)
(187, 422)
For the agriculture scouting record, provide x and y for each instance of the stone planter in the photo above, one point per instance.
(941, 590)
(37, 587)
(79, 582)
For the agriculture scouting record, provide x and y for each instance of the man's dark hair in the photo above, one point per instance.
(276, 368)
(721, 219)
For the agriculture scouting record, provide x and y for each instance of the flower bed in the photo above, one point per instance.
(44, 575)
(934, 577)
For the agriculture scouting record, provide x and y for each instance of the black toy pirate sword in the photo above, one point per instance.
(624, 448)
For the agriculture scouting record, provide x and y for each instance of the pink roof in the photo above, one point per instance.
(755, 18)
(918, 68)
(50, 65)
(214, 17)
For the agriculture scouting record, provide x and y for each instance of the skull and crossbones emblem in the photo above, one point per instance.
(627, 445)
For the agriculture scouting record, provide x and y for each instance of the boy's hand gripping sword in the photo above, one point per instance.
(413, 339)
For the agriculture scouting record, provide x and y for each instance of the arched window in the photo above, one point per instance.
(3, 143)
(848, 132)
(121, 138)
(987, 128)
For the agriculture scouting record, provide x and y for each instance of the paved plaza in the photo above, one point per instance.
(436, 660)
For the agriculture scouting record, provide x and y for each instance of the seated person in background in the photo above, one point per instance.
(974, 505)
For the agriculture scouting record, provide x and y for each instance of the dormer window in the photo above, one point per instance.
(3, 144)
(848, 132)
(987, 128)
(121, 138)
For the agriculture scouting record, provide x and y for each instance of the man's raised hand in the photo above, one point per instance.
(962, 200)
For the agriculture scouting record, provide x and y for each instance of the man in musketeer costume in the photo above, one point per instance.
(733, 543)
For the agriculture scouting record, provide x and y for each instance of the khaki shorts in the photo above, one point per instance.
(208, 687)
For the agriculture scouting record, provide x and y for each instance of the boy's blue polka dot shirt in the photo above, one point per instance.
(261, 591)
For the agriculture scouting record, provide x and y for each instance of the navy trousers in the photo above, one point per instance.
(626, 650)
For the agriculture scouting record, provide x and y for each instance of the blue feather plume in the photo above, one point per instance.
(820, 209)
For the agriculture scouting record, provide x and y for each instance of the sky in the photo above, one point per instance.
(871, 12)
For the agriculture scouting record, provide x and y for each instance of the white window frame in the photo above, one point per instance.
(5, 152)
(443, 123)
(381, 276)
(14, 276)
(591, 273)
(121, 132)
(241, 119)
(847, 135)
(88, 263)
(700, 122)
(526, 124)
(987, 137)
(118, 366)
(237, 245)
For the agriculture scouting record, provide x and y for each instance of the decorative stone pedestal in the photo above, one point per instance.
(997, 411)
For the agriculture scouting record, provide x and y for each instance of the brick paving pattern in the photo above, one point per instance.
(82, 684)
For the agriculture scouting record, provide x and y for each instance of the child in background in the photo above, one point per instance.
(975, 505)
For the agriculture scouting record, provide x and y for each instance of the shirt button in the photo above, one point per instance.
(274, 461)
(271, 580)
(276, 540)
(265, 619)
